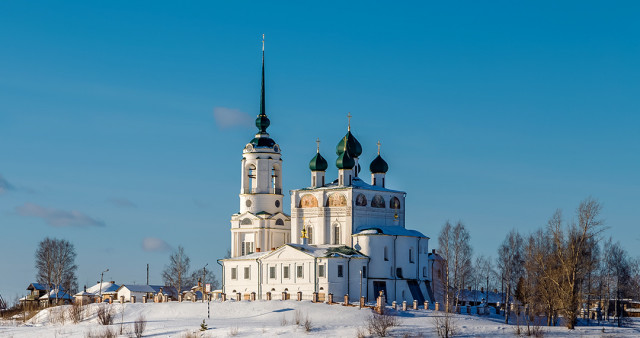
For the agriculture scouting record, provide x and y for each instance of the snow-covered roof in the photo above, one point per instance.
(393, 230)
(251, 256)
(61, 295)
(356, 182)
(107, 288)
(327, 250)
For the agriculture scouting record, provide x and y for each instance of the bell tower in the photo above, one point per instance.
(260, 225)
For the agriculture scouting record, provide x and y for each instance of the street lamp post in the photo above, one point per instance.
(360, 299)
(204, 274)
(101, 276)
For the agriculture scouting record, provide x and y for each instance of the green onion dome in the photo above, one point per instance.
(352, 145)
(318, 163)
(345, 161)
(378, 165)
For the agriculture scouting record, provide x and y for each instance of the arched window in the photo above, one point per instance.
(252, 183)
(386, 254)
(308, 201)
(246, 221)
(394, 203)
(377, 202)
(411, 255)
(310, 234)
(361, 200)
(336, 200)
(336, 234)
(279, 221)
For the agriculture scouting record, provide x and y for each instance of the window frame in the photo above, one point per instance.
(247, 272)
(340, 273)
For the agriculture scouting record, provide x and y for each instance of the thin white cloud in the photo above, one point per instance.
(229, 118)
(122, 202)
(154, 244)
(5, 185)
(57, 217)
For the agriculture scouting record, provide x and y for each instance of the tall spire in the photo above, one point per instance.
(262, 106)
(262, 122)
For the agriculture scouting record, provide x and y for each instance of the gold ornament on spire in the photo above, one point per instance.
(318, 143)
(378, 147)
(263, 42)
(349, 123)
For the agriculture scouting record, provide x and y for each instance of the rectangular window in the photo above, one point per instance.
(285, 272)
(272, 272)
(364, 272)
(300, 270)
(247, 272)
(234, 273)
(321, 270)
(247, 248)
(340, 272)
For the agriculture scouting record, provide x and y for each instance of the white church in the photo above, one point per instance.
(343, 237)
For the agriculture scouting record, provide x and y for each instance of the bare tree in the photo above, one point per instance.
(619, 266)
(571, 250)
(456, 252)
(55, 265)
(176, 272)
(210, 277)
(510, 263)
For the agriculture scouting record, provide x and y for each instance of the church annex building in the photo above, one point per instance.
(343, 237)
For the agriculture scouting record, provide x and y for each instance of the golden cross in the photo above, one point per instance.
(378, 147)
(263, 42)
(318, 142)
(349, 124)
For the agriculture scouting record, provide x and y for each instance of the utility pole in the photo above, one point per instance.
(101, 276)
(147, 273)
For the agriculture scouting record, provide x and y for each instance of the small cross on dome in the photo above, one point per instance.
(378, 147)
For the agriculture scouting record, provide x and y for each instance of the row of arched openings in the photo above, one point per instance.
(339, 200)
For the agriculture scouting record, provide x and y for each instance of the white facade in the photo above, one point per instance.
(337, 230)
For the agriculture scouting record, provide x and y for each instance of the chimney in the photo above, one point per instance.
(273, 249)
(257, 249)
(495, 290)
(112, 282)
(85, 288)
(433, 251)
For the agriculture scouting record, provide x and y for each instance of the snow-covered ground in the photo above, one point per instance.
(273, 318)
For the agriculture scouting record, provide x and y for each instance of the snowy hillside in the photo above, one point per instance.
(270, 319)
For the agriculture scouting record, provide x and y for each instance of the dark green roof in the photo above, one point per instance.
(318, 163)
(378, 165)
(263, 141)
(345, 161)
(352, 145)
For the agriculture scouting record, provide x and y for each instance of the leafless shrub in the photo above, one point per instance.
(105, 333)
(360, 333)
(233, 331)
(105, 314)
(190, 334)
(379, 325)
(76, 312)
(283, 321)
(57, 315)
(308, 325)
(297, 317)
(445, 325)
(139, 325)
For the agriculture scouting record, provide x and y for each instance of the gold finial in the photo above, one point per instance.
(318, 143)
(349, 123)
(263, 42)
(378, 147)
(304, 232)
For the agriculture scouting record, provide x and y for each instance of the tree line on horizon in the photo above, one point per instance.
(556, 271)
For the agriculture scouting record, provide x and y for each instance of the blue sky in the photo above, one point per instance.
(493, 113)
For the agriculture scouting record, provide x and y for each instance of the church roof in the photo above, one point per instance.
(355, 183)
(378, 165)
(327, 250)
(318, 163)
(392, 230)
(350, 144)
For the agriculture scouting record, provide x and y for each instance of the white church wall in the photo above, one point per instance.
(241, 283)
(374, 247)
